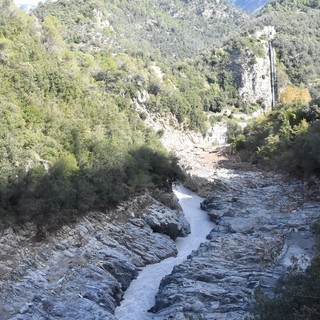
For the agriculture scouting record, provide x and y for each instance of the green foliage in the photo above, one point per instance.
(287, 137)
(247, 45)
(69, 139)
(297, 40)
(176, 28)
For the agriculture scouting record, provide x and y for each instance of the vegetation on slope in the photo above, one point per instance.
(287, 138)
(71, 139)
(297, 41)
(69, 142)
(177, 28)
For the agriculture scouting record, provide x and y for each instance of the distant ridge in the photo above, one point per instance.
(179, 29)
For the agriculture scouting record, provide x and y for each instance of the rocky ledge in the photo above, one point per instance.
(81, 271)
(262, 227)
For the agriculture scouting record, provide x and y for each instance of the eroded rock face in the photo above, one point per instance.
(82, 271)
(262, 222)
(164, 221)
(255, 71)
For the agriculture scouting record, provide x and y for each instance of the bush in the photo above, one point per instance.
(285, 138)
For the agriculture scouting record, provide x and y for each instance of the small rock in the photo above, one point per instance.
(25, 308)
(242, 225)
(59, 246)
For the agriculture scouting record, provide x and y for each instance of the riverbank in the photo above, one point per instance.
(262, 226)
(81, 271)
(140, 296)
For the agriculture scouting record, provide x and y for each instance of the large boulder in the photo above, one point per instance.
(216, 207)
(166, 221)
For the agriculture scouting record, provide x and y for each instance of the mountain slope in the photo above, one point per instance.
(70, 142)
(297, 41)
(288, 137)
(177, 28)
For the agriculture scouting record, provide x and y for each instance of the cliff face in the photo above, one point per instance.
(255, 80)
(254, 70)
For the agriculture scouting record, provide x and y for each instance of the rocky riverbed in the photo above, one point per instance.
(82, 271)
(262, 226)
(140, 296)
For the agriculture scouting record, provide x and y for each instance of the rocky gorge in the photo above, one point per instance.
(260, 226)
(82, 271)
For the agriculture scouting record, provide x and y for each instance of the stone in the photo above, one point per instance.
(251, 246)
(81, 273)
(59, 246)
(242, 225)
(167, 221)
(25, 308)
(121, 270)
(216, 215)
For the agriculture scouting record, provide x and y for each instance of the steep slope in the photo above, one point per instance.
(69, 141)
(297, 42)
(288, 137)
(177, 28)
(279, 50)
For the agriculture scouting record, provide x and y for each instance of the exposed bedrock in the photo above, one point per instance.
(262, 221)
(82, 271)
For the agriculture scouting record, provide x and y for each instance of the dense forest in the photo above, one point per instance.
(69, 142)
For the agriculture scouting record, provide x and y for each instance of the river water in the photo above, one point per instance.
(140, 296)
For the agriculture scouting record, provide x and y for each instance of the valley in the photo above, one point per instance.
(260, 225)
(159, 160)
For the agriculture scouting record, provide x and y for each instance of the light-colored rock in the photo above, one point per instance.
(166, 221)
(251, 247)
(242, 225)
(82, 271)
(255, 73)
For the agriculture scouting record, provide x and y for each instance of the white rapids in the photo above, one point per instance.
(140, 296)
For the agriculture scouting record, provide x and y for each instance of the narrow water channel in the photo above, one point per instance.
(140, 296)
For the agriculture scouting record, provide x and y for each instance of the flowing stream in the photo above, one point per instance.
(140, 296)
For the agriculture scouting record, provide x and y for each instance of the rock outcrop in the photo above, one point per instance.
(262, 226)
(254, 71)
(163, 221)
(82, 271)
